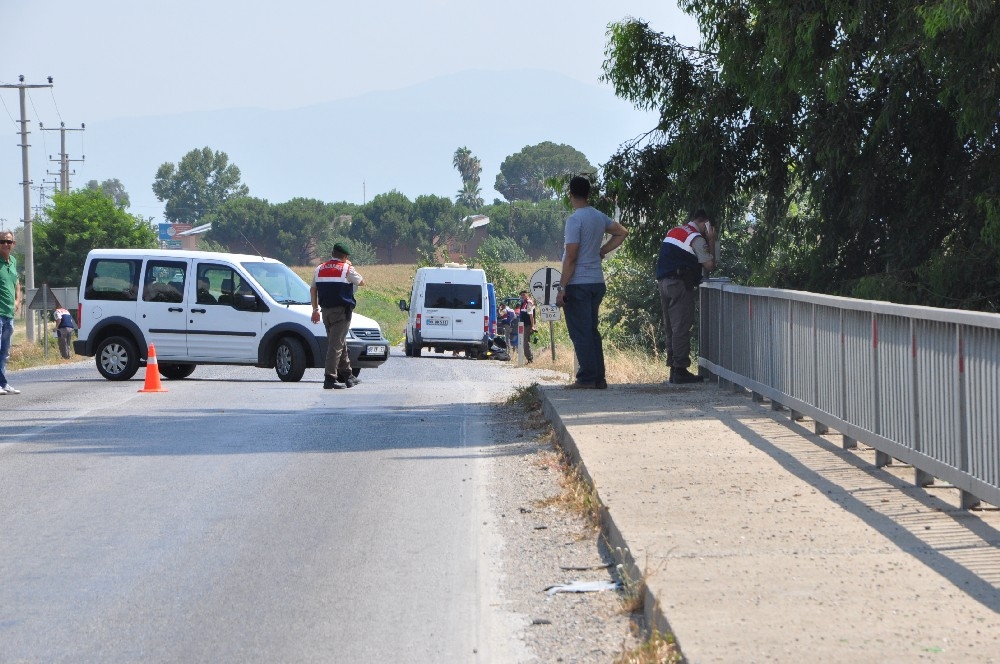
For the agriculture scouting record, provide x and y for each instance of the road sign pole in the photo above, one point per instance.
(552, 340)
(520, 343)
(45, 324)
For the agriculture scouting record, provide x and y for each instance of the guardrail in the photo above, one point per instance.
(917, 384)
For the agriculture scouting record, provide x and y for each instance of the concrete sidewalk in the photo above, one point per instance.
(760, 541)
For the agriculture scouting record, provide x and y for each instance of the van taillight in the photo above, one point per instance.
(486, 324)
(418, 321)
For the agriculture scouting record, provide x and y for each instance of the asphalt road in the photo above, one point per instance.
(239, 518)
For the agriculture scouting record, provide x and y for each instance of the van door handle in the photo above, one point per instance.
(199, 311)
(175, 309)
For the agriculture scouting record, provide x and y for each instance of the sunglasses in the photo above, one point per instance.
(6, 242)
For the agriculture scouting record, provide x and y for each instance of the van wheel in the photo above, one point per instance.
(356, 371)
(416, 350)
(117, 358)
(290, 360)
(176, 371)
(408, 348)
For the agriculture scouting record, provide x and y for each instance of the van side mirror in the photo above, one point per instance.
(403, 306)
(245, 302)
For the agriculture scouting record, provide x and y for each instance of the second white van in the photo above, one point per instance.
(449, 310)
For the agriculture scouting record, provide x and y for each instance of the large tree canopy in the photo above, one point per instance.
(523, 175)
(856, 144)
(112, 188)
(296, 232)
(80, 221)
(387, 222)
(198, 185)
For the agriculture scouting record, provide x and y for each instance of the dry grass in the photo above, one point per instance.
(621, 366)
(657, 649)
(24, 355)
(577, 495)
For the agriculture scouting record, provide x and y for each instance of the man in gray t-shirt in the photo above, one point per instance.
(582, 287)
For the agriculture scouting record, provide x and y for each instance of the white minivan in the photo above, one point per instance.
(199, 307)
(449, 309)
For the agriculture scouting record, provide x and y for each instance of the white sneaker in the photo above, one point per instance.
(10, 390)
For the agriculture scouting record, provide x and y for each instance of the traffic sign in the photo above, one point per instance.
(548, 312)
(44, 300)
(545, 286)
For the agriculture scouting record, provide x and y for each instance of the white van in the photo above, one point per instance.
(449, 310)
(200, 307)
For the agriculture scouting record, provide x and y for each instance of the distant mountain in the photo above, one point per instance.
(354, 149)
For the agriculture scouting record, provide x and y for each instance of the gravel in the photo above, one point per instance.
(538, 544)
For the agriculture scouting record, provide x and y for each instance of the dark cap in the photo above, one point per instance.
(342, 248)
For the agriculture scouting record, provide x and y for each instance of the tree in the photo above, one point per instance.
(386, 222)
(523, 175)
(470, 195)
(362, 253)
(80, 221)
(243, 225)
(114, 189)
(502, 249)
(470, 168)
(304, 228)
(856, 143)
(434, 217)
(198, 185)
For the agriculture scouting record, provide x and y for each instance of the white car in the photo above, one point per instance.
(200, 307)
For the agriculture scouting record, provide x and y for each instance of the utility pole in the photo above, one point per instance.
(29, 250)
(63, 156)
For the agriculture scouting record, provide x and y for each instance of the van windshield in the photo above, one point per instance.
(280, 282)
(453, 296)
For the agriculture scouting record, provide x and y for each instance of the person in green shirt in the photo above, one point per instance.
(10, 300)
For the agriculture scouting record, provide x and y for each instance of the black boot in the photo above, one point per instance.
(682, 375)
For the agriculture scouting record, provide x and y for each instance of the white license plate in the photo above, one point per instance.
(375, 350)
(438, 321)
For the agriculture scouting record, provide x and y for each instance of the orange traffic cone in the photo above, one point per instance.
(152, 373)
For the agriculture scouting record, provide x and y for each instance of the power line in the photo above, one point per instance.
(63, 155)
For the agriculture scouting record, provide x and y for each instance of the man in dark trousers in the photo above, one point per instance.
(333, 291)
(528, 319)
(686, 251)
(583, 286)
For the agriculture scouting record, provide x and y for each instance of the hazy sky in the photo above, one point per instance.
(126, 58)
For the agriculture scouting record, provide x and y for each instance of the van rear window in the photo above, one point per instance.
(113, 279)
(453, 296)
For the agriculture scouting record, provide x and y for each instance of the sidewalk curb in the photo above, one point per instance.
(652, 613)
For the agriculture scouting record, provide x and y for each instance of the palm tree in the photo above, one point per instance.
(470, 195)
(461, 162)
(468, 167)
